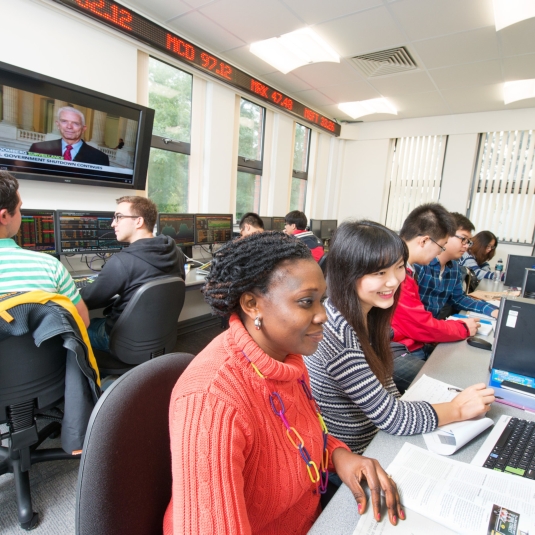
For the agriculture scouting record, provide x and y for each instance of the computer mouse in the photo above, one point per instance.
(479, 342)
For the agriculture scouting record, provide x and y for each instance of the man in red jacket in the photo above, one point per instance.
(425, 232)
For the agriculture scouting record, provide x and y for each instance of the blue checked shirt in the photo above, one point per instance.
(436, 292)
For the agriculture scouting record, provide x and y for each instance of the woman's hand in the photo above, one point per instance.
(352, 469)
(471, 402)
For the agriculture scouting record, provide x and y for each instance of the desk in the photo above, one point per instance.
(456, 363)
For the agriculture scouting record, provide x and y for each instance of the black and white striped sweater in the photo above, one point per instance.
(354, 403)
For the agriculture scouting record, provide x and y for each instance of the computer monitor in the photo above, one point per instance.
(528, 288)
(179, 227)
(37, 231)
(515, 269)
(278, 223)
(268, 222)
(323, 228)
(81, 232)
(212, 228)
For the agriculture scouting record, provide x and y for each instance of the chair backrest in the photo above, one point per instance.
(148, 325)
(29, 372)
(124, 482)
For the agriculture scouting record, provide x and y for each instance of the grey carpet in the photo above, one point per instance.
(53, 484)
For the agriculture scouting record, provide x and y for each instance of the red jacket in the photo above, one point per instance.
(414, 326)
(312, 241)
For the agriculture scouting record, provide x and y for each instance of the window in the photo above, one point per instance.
(250, 150)
(300, 167)
(170, 97)
(503, 199)
(415, 176)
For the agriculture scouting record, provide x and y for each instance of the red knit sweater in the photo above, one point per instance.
(234, 470)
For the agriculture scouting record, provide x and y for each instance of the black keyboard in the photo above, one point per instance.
(81, 282)
(514, 453)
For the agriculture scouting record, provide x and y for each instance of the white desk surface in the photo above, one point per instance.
(456, 363)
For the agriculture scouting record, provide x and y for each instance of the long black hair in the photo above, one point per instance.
(360, 248)
(248, 264)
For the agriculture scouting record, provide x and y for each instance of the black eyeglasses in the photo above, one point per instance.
(118, 217)
(464, 240)
(441, 246)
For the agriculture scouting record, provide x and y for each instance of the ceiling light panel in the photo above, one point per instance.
(518, 90)
(293, 50)
(509, 12)
(367, 107)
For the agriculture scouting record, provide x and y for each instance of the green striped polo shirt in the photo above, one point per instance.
(24, 271)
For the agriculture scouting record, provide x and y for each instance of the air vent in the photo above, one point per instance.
(391, 61)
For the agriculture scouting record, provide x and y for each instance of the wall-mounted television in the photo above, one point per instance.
(56, 131)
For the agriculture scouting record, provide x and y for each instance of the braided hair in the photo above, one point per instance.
(247, 264)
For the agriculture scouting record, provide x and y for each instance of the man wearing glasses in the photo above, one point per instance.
(147, 257)
(440, 283)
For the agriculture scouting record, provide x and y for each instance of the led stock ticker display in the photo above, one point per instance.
(131, 23)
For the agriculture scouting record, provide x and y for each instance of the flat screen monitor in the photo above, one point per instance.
(515, 269)
(179, 227)
(278, 223)
(37, 231)
(81, 232)
(212, 228)
(323, 228)
(56, 131)
(268, 222)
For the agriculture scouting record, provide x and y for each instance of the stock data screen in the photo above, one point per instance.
(86, 232)
(179, 227)
(212, 228)
(37, 231)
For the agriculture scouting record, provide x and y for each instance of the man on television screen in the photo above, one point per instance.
(71, 125)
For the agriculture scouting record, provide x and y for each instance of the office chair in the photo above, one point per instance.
(32, 379)
(323, 263)
(124, 482)
(146, 328)
(469, 278)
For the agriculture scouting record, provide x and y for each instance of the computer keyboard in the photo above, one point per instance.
(81, 282)
(514, 451)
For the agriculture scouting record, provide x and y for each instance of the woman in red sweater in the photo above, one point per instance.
(250, 452)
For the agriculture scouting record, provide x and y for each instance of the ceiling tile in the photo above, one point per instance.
(422, 19)
(520, 104)
(518, 38)
(198, 3)
(519, 67)
(242, 57)
(420, 105)
(402, 84)
(470, 74)
(328, 73)
(363, 32)
(313, 97)
(350, 92)
(203, 31)
(286, 82)
(333, 111)
(473, 99)
(466, 47)
(160, 10)
(253, 20)
(315, 11)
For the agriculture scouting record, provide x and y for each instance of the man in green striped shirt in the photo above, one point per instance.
(22, 270)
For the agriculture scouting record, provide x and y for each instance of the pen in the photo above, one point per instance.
(454, 389)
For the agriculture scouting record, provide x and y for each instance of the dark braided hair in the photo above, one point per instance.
(248, 264)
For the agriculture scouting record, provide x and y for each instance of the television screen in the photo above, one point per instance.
(37, 231)
(212, 228)
(53, 130)
(86, 232)
(179, 227)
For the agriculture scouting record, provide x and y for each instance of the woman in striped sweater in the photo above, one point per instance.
(351, 372)
(477, 258)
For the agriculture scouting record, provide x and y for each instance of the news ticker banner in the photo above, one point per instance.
(131, 23)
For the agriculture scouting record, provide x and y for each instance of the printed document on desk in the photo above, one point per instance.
(447, 439)
(467, 499)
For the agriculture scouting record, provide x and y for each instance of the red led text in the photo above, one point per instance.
(326, 123)
(213, 64)
(311, 115)
(180, 47)
(113, 13)
(259, 88)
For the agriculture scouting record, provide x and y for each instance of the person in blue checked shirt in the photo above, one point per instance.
(441, 282)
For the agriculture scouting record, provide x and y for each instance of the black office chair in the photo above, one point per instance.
(470, 281)
(32, 380)
(146, 328)
(323, 263)
(124, 483)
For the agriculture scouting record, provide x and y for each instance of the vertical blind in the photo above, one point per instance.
(503, 199)
(415, 176)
